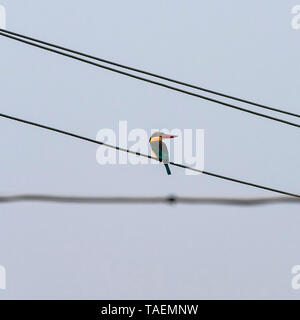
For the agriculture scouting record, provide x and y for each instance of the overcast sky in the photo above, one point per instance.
(56, 251)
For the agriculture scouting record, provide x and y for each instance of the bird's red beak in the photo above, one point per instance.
(168, 136)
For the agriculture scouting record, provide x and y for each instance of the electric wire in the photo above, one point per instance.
(154, 82)
(171, 200)
(146, 156)
(155, 75)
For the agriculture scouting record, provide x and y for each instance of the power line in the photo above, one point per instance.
(154, 74)
(154, 82)
(146, 156)
(145, 200)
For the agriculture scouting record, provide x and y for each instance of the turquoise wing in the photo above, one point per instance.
(164, 151)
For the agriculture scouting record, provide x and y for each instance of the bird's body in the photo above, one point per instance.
(159, 148)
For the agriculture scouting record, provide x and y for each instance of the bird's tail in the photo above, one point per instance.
(167, 168)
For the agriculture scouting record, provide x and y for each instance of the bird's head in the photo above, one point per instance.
(158, 135)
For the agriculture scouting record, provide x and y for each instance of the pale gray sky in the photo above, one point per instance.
(53, 251)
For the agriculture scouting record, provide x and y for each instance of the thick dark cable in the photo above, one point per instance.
(154, 75)
(145, 200)
(154, 82)
(146, 156)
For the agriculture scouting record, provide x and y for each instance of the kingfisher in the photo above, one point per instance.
(159, 148)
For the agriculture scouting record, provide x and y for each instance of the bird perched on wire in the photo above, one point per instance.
(159, 148)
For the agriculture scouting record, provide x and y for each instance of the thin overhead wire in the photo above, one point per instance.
(155, 75)
(171, 200)
(145, 155)
(153, 82)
